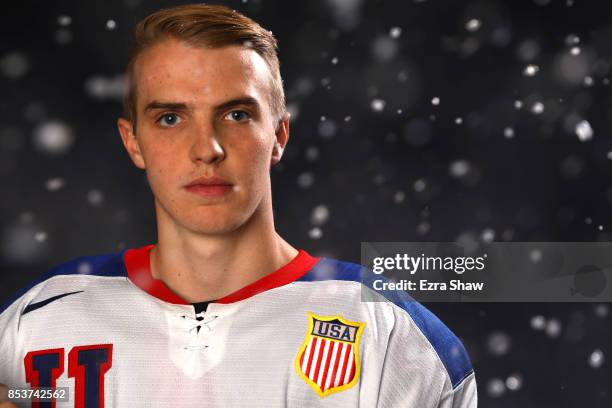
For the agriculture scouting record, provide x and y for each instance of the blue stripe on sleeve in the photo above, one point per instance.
(98, 265)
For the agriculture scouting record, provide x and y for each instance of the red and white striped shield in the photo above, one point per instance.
(329, 357)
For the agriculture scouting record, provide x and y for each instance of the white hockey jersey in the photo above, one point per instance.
(301, 336)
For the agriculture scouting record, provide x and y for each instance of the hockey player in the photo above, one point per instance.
(221, 311)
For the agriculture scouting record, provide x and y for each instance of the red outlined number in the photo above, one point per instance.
(43, 368)
(88, 364)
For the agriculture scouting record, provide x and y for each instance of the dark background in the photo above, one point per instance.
(371, 158)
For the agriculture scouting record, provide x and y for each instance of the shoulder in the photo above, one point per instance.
(407, 311)
(67, 275)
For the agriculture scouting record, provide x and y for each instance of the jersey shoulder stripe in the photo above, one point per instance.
(449, 348)
(107, 265)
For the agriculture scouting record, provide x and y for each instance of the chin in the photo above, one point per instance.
(216, 219)
(215, 224)
(215, 229)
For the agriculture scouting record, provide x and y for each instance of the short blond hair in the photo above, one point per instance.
(204, 25)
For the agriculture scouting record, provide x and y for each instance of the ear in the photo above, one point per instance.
(128, 137)
(282, 137)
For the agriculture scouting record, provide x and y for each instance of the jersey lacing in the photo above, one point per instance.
(197, 321)
(192, 323)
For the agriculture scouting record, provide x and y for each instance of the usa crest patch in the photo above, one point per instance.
(328, 359)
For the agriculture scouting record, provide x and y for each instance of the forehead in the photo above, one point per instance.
(176, 70)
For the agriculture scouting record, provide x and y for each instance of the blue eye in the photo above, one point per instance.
(169, 120)
(237, 116)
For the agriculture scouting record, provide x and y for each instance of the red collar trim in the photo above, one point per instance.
(138, 265)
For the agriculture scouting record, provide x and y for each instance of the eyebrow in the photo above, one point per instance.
(165, 105)
(246, 100)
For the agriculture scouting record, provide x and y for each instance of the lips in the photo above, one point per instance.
(209, 187)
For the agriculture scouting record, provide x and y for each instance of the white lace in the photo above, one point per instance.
(193, 322)
(196, 347)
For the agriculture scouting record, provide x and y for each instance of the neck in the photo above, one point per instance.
(200, 267)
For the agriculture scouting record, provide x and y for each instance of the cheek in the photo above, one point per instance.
(252, 142)
(160, 149)
(249, 161)
(257, 158)
(161, 165)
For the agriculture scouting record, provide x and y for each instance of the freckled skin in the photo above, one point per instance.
(204, 143)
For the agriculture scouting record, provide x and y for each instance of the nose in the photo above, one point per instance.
(205, 146)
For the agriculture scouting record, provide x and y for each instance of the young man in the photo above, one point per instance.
(221, 311)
